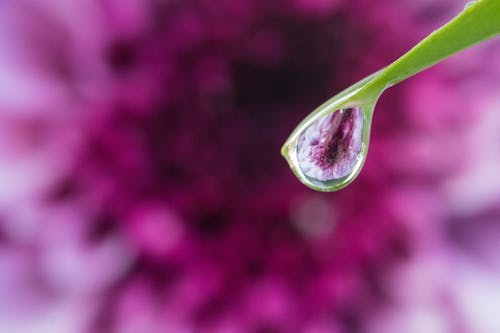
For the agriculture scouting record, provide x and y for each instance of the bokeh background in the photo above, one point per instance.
(142, 189)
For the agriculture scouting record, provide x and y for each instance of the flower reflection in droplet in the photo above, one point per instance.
(330, 147)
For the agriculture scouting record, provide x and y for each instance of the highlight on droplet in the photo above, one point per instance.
(330, 148)
(469, 4)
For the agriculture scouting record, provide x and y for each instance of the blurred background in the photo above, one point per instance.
(142, 189)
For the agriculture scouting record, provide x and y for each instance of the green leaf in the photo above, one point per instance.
(478, 22)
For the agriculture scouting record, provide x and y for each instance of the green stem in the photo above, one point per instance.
(473, 25)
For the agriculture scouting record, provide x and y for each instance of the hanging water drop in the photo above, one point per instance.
(330, 148)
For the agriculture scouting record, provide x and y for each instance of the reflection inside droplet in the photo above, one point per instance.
(330, 147)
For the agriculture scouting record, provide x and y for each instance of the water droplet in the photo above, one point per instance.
(330, 148)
